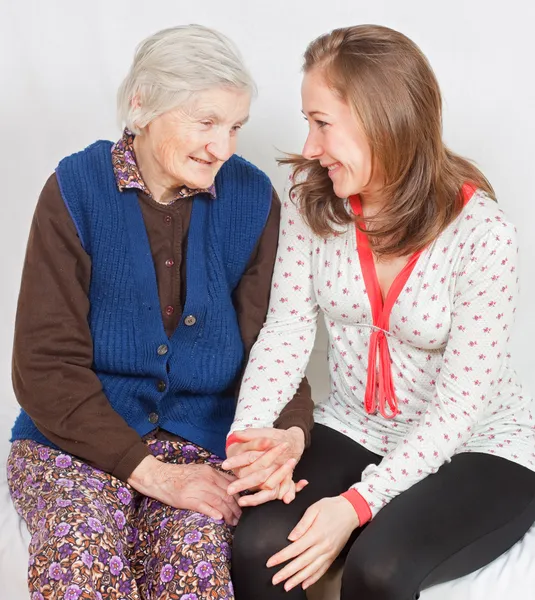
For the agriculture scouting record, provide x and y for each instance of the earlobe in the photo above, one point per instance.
(135, 104)
(135, 101)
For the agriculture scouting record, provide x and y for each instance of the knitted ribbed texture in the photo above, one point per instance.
(202, 360)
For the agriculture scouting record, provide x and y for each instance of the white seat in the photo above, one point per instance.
(510, 577)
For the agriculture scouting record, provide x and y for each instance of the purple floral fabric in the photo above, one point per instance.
(94, 536)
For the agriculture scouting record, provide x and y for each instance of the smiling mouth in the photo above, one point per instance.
(201, 161)
(332, 168)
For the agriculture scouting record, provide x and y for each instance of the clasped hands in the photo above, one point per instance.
(263, 461)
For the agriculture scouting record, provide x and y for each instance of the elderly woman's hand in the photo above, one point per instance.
(264, 459)
(200, 488)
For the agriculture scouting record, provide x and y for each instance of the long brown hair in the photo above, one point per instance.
(388, 82)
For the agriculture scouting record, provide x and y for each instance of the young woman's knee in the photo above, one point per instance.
(376, 575)
(259, 535)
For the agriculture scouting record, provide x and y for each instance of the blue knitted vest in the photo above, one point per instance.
(132, 353)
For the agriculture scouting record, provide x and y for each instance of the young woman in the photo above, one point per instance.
(426, 438)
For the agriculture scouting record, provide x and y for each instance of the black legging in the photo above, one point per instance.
(446, 526)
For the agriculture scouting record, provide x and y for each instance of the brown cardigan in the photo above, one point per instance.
(53, 352)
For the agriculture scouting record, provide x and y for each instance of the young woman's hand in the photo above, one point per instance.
(285, 491)
(264, 460)
(200, 488)
(317, 540)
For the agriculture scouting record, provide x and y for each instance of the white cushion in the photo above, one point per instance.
(509, 577)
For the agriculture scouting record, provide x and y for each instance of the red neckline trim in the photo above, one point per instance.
(381, 394)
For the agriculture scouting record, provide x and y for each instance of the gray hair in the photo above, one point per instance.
(172, 65)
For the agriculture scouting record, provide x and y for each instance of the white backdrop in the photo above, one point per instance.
(62, 60)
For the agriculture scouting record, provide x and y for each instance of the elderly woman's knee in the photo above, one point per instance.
(83, 526)
(196, 525)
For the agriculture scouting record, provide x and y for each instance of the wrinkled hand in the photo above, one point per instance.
(317, 540)
(264, 460)
(200, 488)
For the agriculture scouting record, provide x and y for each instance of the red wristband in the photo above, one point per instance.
(362, 508)
(232, 439)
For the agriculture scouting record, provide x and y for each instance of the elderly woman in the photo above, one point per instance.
(145, 284)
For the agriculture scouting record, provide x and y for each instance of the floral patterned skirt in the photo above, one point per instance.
(95, 537)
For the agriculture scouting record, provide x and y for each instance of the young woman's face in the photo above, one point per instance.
(336, 138)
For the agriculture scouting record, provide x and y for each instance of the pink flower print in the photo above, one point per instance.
(204, 569)
(95, 484)
(87, 559)
(73, 592)
(95, 525)
(116, 565)
(63, 461)
(124, 495)
(55, 571)
(62, 529)
(44, 454)
(190, 453)
(67, 483)
(63, 502)
(120, 519)
(192, 537)
(167, 574)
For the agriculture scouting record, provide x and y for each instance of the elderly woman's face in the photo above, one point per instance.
(190, 144)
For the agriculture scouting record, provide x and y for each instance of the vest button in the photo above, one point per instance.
(162, 386)
(190, 320)
(162, 350)
(153, 418)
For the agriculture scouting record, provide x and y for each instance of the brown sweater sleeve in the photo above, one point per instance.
(53, 349)
(251, 299)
